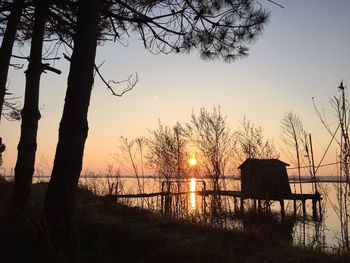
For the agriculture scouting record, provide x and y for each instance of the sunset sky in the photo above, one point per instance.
(304, 52)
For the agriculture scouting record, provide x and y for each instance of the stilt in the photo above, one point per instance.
(267, 206)
(254, 205)
(314, 208)
(304, 207)
(162, 199)
(295, 207)
(204, 205)
(259, 206)
(282, 208)
(203, 198)
(242, 204)
(168, 202)
(320, 208)
(235, 205)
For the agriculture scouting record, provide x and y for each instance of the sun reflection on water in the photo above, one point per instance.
(193, 193)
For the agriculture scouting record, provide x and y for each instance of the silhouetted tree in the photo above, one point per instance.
(211, 135)
(217, 28)
(73, 129)
(8, 40)
(141, 143)
(114, 182)
(341, 108)
(250, 143)
(293, 136)
(128, 148)
(30, 113)
(167, 153)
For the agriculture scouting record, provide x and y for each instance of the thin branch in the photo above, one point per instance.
(131, 83)
(281, 6)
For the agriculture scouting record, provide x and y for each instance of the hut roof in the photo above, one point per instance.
(263, 162)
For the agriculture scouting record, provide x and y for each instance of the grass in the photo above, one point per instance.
(110, 232)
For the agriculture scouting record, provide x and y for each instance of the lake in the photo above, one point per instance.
(320, 233)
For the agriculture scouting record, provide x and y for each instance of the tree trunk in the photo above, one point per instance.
(30, 113)
(60, 196)
(7, 45)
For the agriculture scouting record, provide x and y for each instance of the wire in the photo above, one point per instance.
(308, 166)
(333, 136)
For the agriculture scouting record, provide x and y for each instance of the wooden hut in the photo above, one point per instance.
(264, 179)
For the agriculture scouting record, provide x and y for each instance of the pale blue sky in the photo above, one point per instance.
(303, 52)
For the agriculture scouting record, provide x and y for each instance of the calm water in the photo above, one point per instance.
(323, 233)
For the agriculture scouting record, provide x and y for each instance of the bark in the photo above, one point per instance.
(7, 45)
(30, 113)
(61, 193)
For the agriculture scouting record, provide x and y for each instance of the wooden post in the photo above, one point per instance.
(313, 177)
(259, 206)
(168, 200)
(304, 207)
(282, 208)
(320, 208)
(235, 205)
(267, 206)
(254, 205)
(314, 208)
(203, 198)
(162, 199)
(242, 204)
(166, 204)
(295, 207)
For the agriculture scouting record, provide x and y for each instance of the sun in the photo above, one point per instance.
(192, 161)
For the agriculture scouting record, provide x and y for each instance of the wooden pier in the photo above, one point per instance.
(314, 198)
(238, 200)
(262, 181)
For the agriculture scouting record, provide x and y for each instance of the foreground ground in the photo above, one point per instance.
(108, 232)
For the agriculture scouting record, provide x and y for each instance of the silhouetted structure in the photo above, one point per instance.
(2, 149)
(264, 178)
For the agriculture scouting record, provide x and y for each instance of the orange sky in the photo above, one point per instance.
(303, 53)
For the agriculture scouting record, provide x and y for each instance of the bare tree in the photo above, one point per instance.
(167, 153)
(141, 143)
(214, 139)
(342, 111)
(114, 183)
(293, 136)
(128, 148)
(167, 156)
(250, 143)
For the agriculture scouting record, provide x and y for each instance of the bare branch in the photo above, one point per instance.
(129, 82)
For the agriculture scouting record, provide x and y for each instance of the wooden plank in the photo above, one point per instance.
(239, 194)
(225, 193)
(138, 195)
